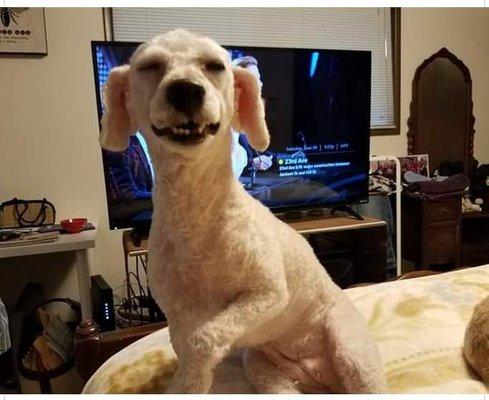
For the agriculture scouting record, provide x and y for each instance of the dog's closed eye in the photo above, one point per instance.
(214, 66)
(150, 67)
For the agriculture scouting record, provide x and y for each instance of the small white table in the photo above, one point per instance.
(80, 244)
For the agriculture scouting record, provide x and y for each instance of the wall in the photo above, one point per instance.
(48, 129)
(49, 147)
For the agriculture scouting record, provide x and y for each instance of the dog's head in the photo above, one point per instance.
(182, 92)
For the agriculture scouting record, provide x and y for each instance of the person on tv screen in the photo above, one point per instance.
(130, 172)
(243, 155)
(130, 181)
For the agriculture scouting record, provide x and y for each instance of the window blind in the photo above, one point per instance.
(321, 28)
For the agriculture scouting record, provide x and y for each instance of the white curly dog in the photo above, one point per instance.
(224, 269)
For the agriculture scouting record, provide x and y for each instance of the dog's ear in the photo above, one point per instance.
(117, 121)
(249, 112)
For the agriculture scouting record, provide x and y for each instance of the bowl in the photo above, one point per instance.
(73, 225)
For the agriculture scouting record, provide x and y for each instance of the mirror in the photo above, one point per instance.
(441, 123)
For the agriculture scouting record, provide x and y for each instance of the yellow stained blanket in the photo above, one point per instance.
(418, 323)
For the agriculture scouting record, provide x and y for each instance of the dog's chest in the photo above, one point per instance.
(201, 278)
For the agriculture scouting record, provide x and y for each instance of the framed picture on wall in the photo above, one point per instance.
(22, 31)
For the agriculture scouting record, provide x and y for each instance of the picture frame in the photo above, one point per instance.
(23, 31)
(382, 176)
(417, 163)
(384, 171)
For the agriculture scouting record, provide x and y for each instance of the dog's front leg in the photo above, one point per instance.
(212, 341)
(191, 376)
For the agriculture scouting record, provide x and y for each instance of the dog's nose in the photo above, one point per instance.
(185, 96)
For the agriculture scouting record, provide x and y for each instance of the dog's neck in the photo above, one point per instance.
(191, 194)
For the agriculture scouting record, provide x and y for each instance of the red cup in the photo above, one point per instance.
(73, 225)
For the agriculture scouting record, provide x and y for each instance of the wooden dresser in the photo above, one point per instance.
(431, 231)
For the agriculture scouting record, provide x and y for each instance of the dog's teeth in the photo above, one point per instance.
(175, 129)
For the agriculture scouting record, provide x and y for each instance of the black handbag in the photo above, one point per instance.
(18, 213)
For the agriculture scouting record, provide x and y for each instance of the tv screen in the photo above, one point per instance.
(317, 106)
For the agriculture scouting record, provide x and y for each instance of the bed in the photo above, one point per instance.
(419, 324)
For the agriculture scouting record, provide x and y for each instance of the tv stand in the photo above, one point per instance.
(319, 212)
(139, 233)
(293, 215)
(347, 209)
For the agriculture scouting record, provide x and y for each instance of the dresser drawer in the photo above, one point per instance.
(443, 210)
(443, 239)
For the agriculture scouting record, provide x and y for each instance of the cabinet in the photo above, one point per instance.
(431, 231)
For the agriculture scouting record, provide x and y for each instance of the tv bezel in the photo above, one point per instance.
(275, 209)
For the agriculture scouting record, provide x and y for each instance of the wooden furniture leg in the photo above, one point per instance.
(93, 347)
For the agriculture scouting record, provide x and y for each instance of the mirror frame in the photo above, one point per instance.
(412, 134)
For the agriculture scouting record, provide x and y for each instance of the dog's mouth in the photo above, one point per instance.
(187, 133)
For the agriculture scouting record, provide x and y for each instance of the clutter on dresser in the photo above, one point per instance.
(384, 171)
(437, 189)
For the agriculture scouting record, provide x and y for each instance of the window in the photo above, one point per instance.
(374, 29)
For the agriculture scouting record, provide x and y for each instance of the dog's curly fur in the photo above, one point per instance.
(476, 341)
(226, 272)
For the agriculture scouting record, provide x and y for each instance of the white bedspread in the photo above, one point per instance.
(418, 323)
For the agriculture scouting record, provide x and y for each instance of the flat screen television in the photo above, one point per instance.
(318, 113)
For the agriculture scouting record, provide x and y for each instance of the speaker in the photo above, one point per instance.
(102, 303)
